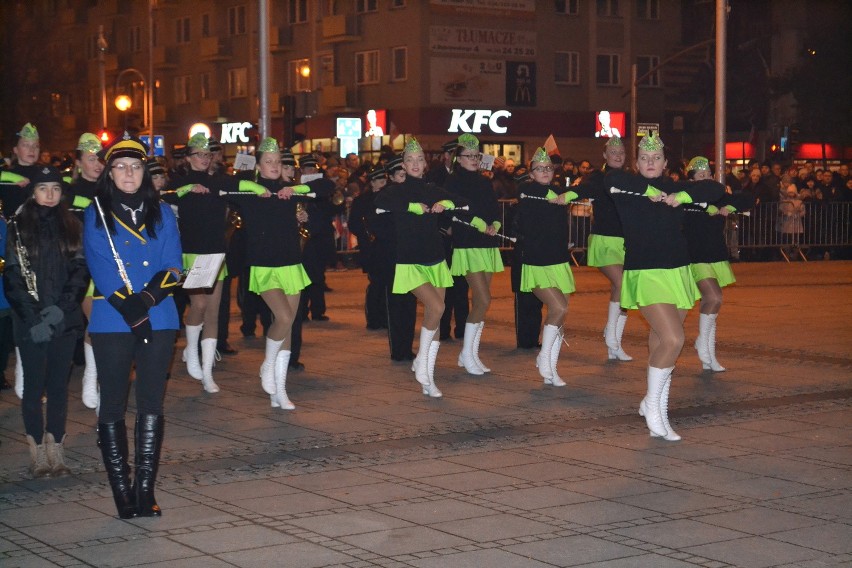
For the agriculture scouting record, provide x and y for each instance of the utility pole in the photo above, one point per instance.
(150, 101)
(721, 117)
(263, 74)
(102, 47)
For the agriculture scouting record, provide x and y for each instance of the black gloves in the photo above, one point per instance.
(41, 332)
(161, 285)
(134, 309)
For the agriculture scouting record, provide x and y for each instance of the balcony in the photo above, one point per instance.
(334, 96)
(165, 57)
(340, 28)
(281, 39)
(215, 49)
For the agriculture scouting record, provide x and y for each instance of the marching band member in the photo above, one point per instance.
(420, 265)
(606, 245)
(657, 280)
(133, 251)
(273, 252)
(475, 253)
(88, 170)
(202, 218)
(708, 252)
(45, 279)
(546, 268)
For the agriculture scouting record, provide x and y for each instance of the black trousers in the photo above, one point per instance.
(7, 339)
(456, 305)
(375, 304)
(115, 356)
(402, 317)
(296, 332)
(527, 311)
(225, 310)
(314, 259)
(46, 369)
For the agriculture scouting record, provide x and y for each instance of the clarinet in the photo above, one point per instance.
(24, 261)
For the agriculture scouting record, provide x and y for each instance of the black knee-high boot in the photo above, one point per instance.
(149, 440)
(112, 438)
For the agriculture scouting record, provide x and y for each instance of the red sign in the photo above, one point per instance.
(609, 124)
(376, 121)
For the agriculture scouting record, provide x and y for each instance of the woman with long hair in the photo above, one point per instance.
(544, 256)
(657, 280)
(708, 253)
(420, 265)
(475, 252)
(133, 251)
(273, 253)
(45, 279)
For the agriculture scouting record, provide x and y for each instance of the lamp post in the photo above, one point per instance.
(146, 88)
(102, 47)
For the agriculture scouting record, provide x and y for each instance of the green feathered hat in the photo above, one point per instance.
(469, 142)
(651, 143)
(89, 142)
(698, 163)
(28, 132)
(268, 144)
(614, 142)
(412, 147)
(199, 141)
(541, 156)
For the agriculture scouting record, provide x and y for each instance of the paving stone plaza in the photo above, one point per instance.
(501, 472)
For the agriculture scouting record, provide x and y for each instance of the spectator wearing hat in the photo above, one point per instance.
(217, 158)
(45, 279)
(134, 320)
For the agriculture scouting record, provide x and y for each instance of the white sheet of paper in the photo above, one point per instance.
(244, 162)
(310, 177)
(487, 162)
(204, 271)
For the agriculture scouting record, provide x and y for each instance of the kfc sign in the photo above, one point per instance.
(473, 120)
(234, 132)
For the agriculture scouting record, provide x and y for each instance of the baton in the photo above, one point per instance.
(512, 239)
(273, 194)
(614, 189)
(463, 208)
(581, 204)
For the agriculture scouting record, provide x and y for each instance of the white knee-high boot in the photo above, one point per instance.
(650, 405)
(711, 347)
(476, 341)
(421, 363)
(267, 369)
(190, 352)
(432, 357)
(616, 320)
(671, 435)
(208, 357)
(550, 334)
(466, 358)
(19, 374)
(281, 362)
(90, 394)
(705, 321)
(555, 379)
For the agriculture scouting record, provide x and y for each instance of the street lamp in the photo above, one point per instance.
(123, 103)
(146, 89)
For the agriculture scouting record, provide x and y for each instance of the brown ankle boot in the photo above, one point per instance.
(38, 459)
(56, 455)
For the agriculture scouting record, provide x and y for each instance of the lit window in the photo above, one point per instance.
(367, 67)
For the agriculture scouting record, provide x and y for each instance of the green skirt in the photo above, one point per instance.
(553, 276)
(721, 271)
(189, 259)
(291, 279)
(476, 260)
(605, 251)
(659, 286)
(407, 277)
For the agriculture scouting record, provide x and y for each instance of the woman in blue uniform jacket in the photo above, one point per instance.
(134, 319)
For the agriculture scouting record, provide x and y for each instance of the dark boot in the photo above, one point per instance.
(112, 439)
(149, 440)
